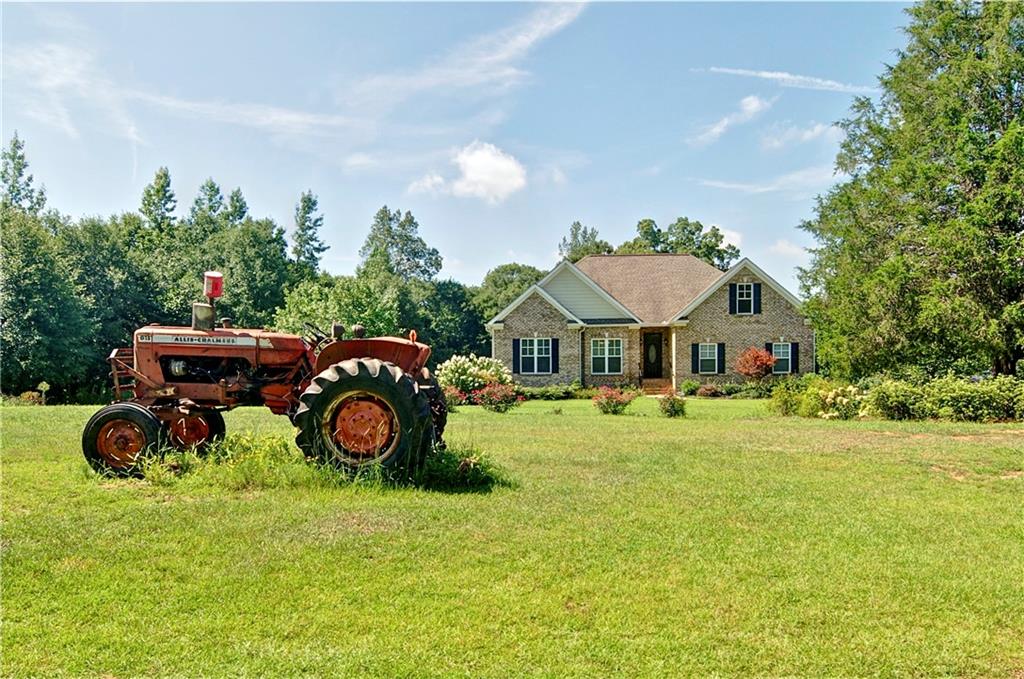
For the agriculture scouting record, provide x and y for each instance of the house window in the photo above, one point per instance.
(535, 356)
(745, 298)
(606, 357)
(708, 359)
(781, 352)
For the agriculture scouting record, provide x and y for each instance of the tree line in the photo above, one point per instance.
(919, 256)
(73, 290)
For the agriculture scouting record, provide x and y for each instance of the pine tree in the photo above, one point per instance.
(237, 209)
(158, 201)
(307, 246)
(18, 189)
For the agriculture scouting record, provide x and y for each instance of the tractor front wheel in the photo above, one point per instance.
(362, 412)
(196, 430)
(119, 436)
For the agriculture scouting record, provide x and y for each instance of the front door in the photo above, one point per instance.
(652, 355)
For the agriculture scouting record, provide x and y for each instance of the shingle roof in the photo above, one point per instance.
(654, 287)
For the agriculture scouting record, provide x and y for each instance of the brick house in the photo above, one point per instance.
(651, 320)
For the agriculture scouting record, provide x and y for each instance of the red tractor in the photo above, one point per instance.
(356, 402)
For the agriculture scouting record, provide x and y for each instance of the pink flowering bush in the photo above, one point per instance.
(454, 397)
(612, 401)
(497, 398)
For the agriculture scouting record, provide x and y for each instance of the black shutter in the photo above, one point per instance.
(794, 357)
(695, 358)
(768, 347)
(515, 357)
(757, 298)
(554, 354)
(721, 358)
(732, 298)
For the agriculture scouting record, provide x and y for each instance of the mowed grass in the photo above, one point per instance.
(733, 542)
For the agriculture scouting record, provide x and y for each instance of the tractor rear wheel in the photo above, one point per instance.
(119, 436)
(363, 412)
(197, 430)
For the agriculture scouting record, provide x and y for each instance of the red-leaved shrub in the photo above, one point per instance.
(710, 391)
(754, 363)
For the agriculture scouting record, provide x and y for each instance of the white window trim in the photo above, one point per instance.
(788, 357)
(534, 355)
(700, 358)
(605, 355)
(750, 288)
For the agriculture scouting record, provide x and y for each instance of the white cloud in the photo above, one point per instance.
(782, 136)
(731, 237)
(488, 62)
(430, 183)
(788, 249)
(800, 182)
(804, 82)
(749, 108)
(487, 172)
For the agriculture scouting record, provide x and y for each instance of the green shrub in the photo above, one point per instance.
(898, 400)
(987, 400)
(585, 393)
(689, 387)
(613, 401)
(731, 388)
(672, 404)
(470, 373)
(554, 392)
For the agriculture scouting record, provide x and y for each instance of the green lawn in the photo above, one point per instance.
(732, 542)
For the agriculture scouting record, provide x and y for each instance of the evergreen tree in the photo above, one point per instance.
(18, 186)
(920, 256)
(306, 244)
(237, 209)
(582, 241)
(159, 202)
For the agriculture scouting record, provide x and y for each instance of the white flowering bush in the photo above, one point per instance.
(843, 403)
(471, 373)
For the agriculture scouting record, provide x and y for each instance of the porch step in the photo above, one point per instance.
(656, 387)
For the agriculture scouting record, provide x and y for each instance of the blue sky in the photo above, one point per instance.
(497, 125)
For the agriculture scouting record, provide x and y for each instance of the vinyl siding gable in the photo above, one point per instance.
(578, 297)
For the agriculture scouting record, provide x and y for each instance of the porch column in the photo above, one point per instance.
(672, 329)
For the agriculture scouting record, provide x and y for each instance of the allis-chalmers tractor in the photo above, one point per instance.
(356, 402)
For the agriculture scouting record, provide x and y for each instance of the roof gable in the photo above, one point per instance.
(582, 296)
(652, 286)
(529, 292)
(742, 265)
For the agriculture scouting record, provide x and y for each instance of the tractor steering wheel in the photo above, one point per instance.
(316, 335)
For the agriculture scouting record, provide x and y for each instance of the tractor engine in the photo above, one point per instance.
(355, 401)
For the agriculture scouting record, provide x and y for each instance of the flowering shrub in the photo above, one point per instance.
(709, 391)
(844, 403)
(672, 404)
(612, 401)
(472, 373)
(755, 364)
(453, 398)
(497, 398)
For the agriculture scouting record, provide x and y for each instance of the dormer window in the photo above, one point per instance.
(745, 298)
